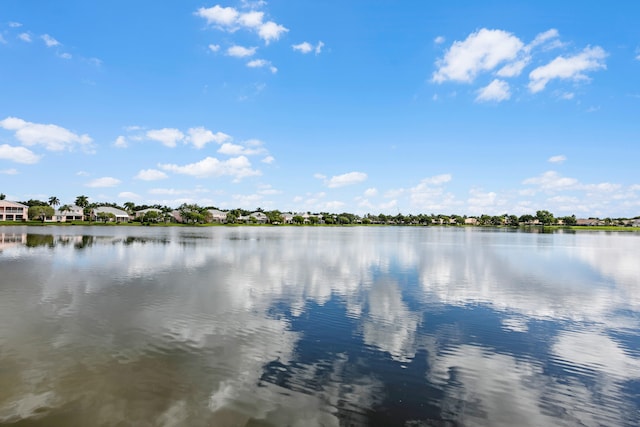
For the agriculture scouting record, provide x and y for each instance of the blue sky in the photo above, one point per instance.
(361, 106)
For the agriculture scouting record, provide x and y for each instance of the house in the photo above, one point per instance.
(118, 214)
(142, 212)
(74, 213)
(590, 222)
(12, 211)
(218, 216)
(260, 217)
(471, 221)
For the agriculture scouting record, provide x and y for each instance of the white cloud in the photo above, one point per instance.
(514, 68)
(15, 24)
(18, 154)
(2, 40)
(50, 41)
(236, 149)
(218, 15)
(214, 47)
(557, 159)
(260, 63)
(103, 182)
(121, 142)
(568, 68)
(200, 137)
(543, 38)
(304, 47)
(151, 175)
(346, 179)
(437, 179)
(638, 54)
(167, 136)
(371, 192)
(251, 19)
(268, 160)
(241, 51)
(439, 40)
(64, 55)
(497, 90)
(174, 192)
(237, 167)
(52, 137)
(552, 181)
(25, 37)
(483, 50)
(230, 19)
(11, 171)
(270, 31)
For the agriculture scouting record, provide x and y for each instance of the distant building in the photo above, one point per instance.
(12, 211)
(218, 215)
(119, 214)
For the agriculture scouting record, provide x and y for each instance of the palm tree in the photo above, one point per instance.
(129, 206)
(54, 201)
(82, 201)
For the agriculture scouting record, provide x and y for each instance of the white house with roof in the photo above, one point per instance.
(73, 213)
(119, 214)
(218, 215)
(142, 212)
(12, 211)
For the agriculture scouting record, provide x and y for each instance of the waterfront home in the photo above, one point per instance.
(218, 215)
(142, 212)
(12, 211)
(73, 213)
(118, 214)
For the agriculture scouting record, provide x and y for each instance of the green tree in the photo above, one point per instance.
(151, 216)
(40, 212)
(82, 201)
(545, 217)
(54, 201)
(298, 219)
(129, 207)
(2, 196)
(569, 220)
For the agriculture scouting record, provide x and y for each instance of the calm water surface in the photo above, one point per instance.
(257, 326)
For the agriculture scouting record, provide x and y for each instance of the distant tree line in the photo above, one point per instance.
(192, 213)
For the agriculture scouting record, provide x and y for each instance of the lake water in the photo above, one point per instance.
(304, 326)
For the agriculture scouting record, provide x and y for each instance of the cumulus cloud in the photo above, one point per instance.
(199, 137)
(25, 37)
(346, 179)
(237, 167)
(371, 192)
(18, 154)
(11, 171)
(429, 194)
(241, 51)
(2, 40)
(268, 160)
(214, 47)
(230, 19)
(552, 181)
(260, 63)
(557, 159)
(103, 182)
(439, 40)
(50, 41)
(568, 68)
(121, 142)
(51, 137)
(230, 149)
(167, 136)
(306, 47)
(151, 175)
(480, 51)
(497, 90)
